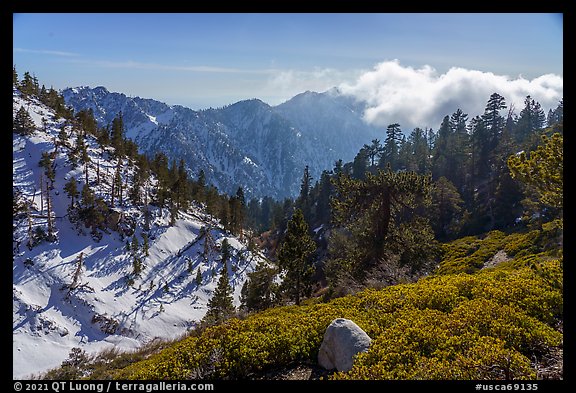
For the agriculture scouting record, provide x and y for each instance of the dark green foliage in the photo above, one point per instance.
(531, 119)
(87, 122)
(259, 291)
(220, 306)
(304, 200)
(29, 85)
(71, 188)
(117, 135)
(23, 123)
(383, 214)
(294, 258)
(446, 211)
(225, 250)
(145, 244)
(556, 116)
(47, 162)
(359, 165)
(390, 152)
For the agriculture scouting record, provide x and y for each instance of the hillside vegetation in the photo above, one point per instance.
(496, 323)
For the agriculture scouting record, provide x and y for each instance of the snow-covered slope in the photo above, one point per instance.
(264, 149)
(109, 305)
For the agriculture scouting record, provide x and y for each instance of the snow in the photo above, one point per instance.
(49, 319)
(152, 119)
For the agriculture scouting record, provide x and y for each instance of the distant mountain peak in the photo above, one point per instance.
(247, 143)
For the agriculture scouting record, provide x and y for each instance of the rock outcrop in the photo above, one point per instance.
(342, 341)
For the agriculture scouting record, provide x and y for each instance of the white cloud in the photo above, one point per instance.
(46, 52)
(422, 97)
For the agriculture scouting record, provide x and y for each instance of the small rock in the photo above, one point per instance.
(343, 339)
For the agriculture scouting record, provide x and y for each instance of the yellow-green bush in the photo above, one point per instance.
(463, 326)
(468, 254)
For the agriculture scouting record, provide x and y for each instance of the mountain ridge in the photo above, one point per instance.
(249, 143)
(102, 288)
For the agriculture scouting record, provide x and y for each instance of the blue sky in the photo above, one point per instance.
(203, 60)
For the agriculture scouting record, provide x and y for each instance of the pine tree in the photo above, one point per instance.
(199, 187)
(359, 165)
(383, 214)
(531, 119)
(47, 163)
(117, 135)
(556, 116)
(237, 212)
(446, 212)
(259, 291)
(63, 136)
(28, 86)
(460, 149)
(159, 166)
(543, 171)
(182, 189)
(325, 192)
(373, 151)
(225, 250)
(23, 123)
(220, 306)
(390, 149)
(78, 272)
(420, 161)
(87, 196)
(136, 266)
(441, 162)
(303, 202)
(294, 257)
(198, 279)
(14, 76)
(135, 244)
(492, 119)
(145, 244)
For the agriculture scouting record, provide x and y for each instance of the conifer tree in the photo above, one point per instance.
(23, 123)
(28, 86)
(373, 151)
(304, 202)
(390, 149)
(445, 212)
(259, 291)
(47, 163)
(182, 189)
(383, 214)
(294, 257)
(225, 250)
(145, 244)
(117, 135)
(135, 244)
(78, 272)
(543, 171)
(531, 119)
(220, 306)
(359, 165)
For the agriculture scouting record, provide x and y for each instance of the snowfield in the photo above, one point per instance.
(105, 309)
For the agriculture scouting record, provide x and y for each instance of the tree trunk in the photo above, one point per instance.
(49, 213)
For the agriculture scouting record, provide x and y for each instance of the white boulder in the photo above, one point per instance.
(343, 339)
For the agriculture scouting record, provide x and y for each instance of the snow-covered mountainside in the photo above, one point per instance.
(73, 287)
(264, 149)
